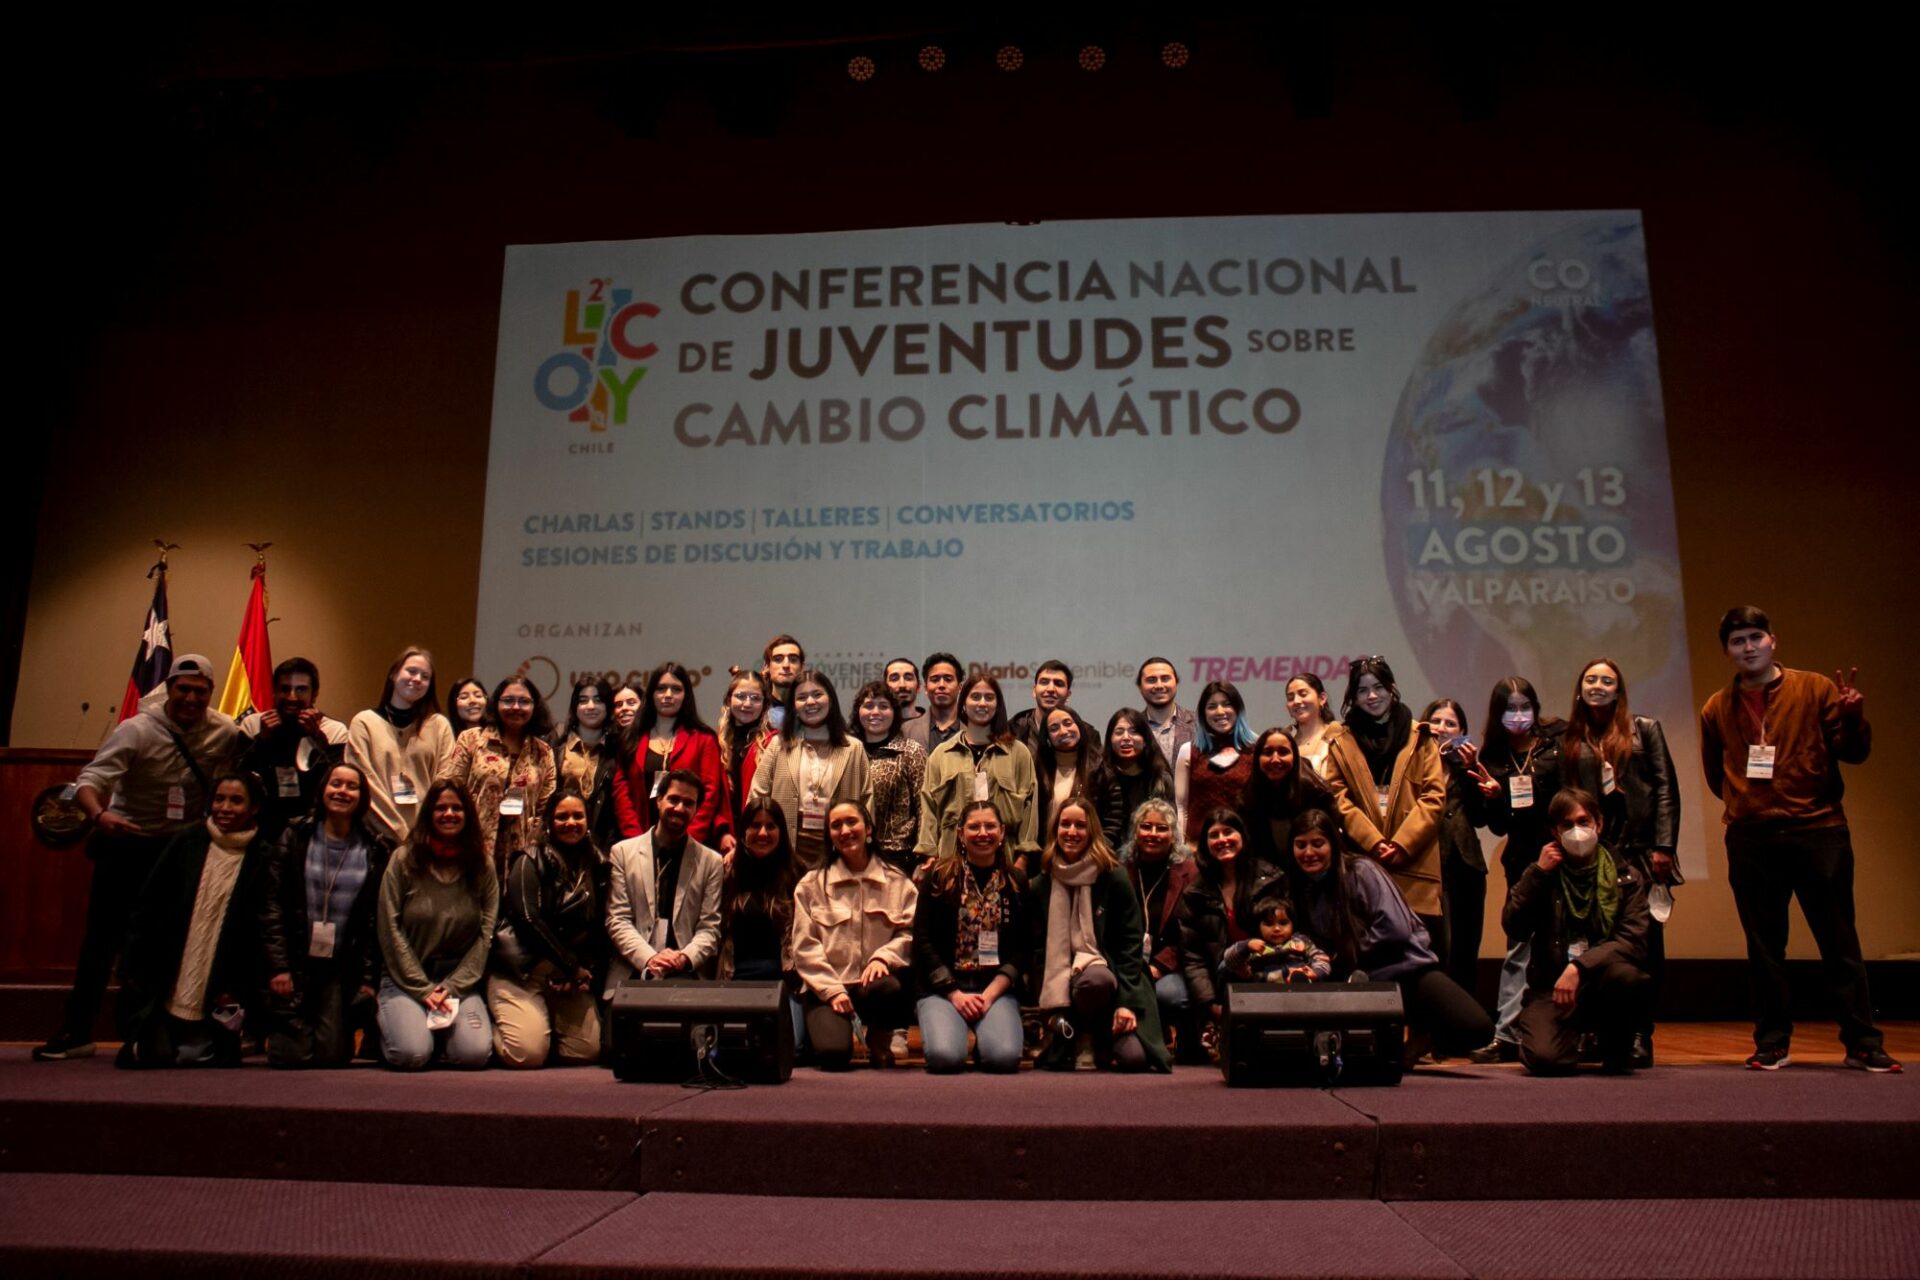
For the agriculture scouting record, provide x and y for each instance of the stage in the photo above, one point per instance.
(1459, 1171)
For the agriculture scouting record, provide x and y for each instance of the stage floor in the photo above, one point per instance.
(1453, 1132)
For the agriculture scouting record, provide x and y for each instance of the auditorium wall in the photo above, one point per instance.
(305, 355)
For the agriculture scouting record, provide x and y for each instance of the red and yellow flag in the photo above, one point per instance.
(250, 678)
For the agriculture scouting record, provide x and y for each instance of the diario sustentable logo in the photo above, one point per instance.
(605, 332)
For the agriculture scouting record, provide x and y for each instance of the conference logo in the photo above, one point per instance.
(1563, 282)
(606, 341)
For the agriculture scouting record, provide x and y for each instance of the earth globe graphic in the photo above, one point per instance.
(1527, 496)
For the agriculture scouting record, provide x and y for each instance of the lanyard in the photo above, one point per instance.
(333, 876)
(1746, 711)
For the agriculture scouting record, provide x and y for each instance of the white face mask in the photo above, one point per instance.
(1517, 721)
(1580, 842)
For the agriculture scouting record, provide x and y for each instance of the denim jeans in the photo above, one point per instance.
(998, 1035)
(408, 1045)
(1513, 990)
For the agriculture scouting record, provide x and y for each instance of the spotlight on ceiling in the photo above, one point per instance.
(1092, 58)
(932, 58)
(1009, 58)
(861, 68)
(1174, 55)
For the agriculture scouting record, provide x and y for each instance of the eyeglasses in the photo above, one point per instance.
(516, 702)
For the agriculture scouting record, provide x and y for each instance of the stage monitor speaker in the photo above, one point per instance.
(673, 1032)
(1313, 1034)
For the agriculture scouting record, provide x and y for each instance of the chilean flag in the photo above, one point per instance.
(250, 677)
(155, 656)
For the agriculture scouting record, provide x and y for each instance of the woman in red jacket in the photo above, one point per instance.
(667, 735)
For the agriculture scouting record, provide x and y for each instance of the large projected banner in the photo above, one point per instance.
(1255, 445)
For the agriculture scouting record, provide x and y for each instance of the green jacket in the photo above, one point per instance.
(948, 788)
(1117, 923)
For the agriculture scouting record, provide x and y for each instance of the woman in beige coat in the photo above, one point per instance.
(852, 943)
(1390, 787)
(812, 766)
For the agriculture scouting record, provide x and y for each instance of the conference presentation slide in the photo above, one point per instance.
(1256, 446)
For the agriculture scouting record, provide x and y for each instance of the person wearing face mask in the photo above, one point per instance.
(290, 746)
(896, 766)
(852, 943)
(1133, 772)
(402, 743)
(1384, 769)
(148, 783)
(1090, 940)
(1068, 764)
(1586, 913)
(1522, 756)
(967, 935)
(1622, 758)
(780, 664)
(190, 976)
(756, 908)
(585, 757)
(663, 899)
(985, 762)
(744, 732)
(507, 767)
(1212, 771)
(1160, 867)
(1463, 864)
(1350, 906)
(439, 904)
(550, 953)
(941, 674)
(1216, 910)
(670, 736)
(1279, 789)
(812, 766)
(319, 941)
(1171, 724)
(467, 705)
(1772, 743)
(1312, 716)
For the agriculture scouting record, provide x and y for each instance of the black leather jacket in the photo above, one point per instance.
(1643, 813)
(551, 911)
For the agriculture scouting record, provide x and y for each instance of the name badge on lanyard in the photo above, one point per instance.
(1608, 783)
(813, 811)
(1520, 791)
(176, 804)
(1760, 762)
(320, 941)
(403, 792)
(514, 803)
(989, 948)
(286, 782)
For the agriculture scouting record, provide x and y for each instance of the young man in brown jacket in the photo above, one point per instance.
(1772, 743)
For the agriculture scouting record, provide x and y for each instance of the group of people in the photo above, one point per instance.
(471, 882)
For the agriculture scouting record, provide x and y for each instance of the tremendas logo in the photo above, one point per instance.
(588, 382)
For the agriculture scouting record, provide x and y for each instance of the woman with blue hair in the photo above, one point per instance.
(1211, 771)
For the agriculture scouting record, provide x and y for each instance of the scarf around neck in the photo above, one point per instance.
(1592, 894)
(1380, 742)
(1071, 944)
(231, 841)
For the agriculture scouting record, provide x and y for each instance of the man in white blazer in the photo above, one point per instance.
(663, 901)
